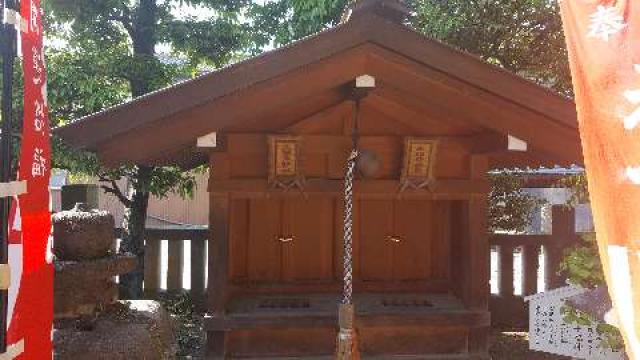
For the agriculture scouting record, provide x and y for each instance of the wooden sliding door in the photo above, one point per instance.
(284, 240)
(403, 240)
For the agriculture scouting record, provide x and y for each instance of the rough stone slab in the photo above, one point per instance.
(83, 234)
(84, 299)
(90, 270)
(127, 330)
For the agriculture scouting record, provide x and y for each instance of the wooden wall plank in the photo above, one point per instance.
(264, 257)
(376, 225)
(530, 264)
(198, 258)
(506, 270)
(219, 166)
(441, 244)
(151, 265)
(412, 256)
(309, 257)
(218, 280)
(238, 239)
(175, 267)
(478, 284)
(459, 266)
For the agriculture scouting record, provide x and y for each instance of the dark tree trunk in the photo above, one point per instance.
(144, 41)
(133, 234)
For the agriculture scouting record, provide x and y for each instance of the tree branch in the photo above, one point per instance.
(115, 190)
(122, 14)
(124, 21)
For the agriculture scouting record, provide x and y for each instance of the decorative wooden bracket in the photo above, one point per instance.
(415, 185)
(287, 185)
(13, 188)
(285, 170)
(419, 159)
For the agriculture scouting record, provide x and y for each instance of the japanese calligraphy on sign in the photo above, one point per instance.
(34, 17)
(39, 165)
(418, 162)
(284, 162)
(32, 316)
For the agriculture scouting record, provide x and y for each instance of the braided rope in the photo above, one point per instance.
(348, 228)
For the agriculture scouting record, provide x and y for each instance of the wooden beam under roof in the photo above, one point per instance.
(420, 113)
(321, 119)
(482, 107)
(278, 93)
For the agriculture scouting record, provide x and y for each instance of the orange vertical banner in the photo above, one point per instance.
(603, 40)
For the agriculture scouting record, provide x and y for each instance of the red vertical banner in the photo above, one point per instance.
(32, 317)
(603, 40)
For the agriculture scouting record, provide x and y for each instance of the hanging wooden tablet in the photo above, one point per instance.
(417, 169)
(285, 171)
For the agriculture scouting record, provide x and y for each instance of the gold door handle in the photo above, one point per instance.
(394, 239)
(285, 240)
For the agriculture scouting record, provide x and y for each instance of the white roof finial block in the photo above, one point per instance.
(365, 82)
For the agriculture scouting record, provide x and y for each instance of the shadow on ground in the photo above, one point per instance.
(507, 345)
(190, 334)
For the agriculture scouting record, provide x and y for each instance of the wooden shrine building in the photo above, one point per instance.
(276, 131)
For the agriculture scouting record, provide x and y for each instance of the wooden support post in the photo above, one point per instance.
(530, 264)
(563, 234)
(218, 254)
(198, 256)
(175, 255)
(479, 258)
(478, 284)
(506, 270)
(151, 266)
(218, 282)
(216, 345)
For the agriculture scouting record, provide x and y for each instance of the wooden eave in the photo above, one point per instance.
(310, 76)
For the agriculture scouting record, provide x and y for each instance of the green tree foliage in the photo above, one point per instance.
(582, 266)
(581, 263)
(522, 36)
(510, 207)
(108, 55)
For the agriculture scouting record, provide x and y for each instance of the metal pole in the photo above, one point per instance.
(8, 58)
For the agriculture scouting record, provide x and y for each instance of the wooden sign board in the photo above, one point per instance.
(419, 157)
(284, 162)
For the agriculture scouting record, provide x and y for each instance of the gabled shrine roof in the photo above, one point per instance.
(310, 75)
